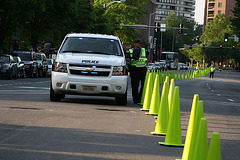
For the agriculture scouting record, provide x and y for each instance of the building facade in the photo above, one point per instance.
(215, 7)
(183, 8)
(147, 33)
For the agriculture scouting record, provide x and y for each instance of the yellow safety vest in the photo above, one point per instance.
(142, 61)
(212, 69)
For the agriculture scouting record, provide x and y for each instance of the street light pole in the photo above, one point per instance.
(176, 39)
(106, 5)
(173, 40)
(149, 23)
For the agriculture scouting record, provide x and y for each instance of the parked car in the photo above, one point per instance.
(150, 66)
(8, 66)
(160, 66)
(42, 66)
(21, 67)
(182, 66)
(50, 64)
(166, 63)
(30, 61)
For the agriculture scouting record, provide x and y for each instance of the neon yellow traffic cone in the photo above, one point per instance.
(155, 101)
(163, 115)
(153, 77)
(191, 137)
(173, 136)
(201, 149)
(214, 152)
(144, 87)
(176, 75)
(170, 94)
(147, 98)
(167, 73)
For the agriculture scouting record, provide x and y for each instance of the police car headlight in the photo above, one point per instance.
(61, 67)
(118, 71)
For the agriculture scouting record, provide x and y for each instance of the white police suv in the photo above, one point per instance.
(90, 64)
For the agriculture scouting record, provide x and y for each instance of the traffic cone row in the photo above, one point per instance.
(150, 82)
(163, 112)
(173, 133)
(167, 109)
(196, 143)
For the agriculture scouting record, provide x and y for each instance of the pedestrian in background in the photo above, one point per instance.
(197, 68)
(138, 61)
(212, 70)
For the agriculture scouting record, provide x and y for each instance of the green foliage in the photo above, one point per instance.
(236, 19)
(216, 29)
(129, 12)
(189, 35)
(9, 10)
(214, 36)
(36, 22)
(194, 53)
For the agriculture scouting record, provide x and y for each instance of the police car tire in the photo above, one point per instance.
(55, 97)
(122, 100)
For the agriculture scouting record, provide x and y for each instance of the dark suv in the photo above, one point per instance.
(30, 61)
(8, 66)
(42, 64)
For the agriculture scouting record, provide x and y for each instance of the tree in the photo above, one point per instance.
(171, 38)
(130, 12)
(236, 20)
(194, 53)
(214, 36)
(48, 19)
(9, 13)
(216, 29)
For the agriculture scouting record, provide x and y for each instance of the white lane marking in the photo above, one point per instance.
(32, 87)
(231, 100)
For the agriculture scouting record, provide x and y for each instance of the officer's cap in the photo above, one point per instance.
(138, 41)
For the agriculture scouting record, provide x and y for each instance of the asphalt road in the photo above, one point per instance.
(83, 127)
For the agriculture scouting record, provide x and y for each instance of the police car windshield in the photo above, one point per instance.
(91, 45)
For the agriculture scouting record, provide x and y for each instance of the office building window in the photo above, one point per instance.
(220, 5)
(167, 1)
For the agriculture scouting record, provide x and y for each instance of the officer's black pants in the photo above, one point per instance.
(137, 76)
(211, 74)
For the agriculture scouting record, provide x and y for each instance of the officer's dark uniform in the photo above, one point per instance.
(138, 62)
(212, 70)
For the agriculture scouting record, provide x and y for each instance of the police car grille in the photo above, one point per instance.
(90, 73)
(87, 65)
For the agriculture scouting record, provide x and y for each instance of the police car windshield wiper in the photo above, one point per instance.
(101, 53)
(73, 51)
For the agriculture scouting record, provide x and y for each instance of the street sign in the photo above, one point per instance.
(163, 29)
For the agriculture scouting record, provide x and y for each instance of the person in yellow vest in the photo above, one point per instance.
(212, 70)
(138, 61)
(197, 68)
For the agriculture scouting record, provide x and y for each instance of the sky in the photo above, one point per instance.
(199, 11)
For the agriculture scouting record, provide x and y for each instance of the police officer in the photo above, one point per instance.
(138, 61)
(212, 70)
